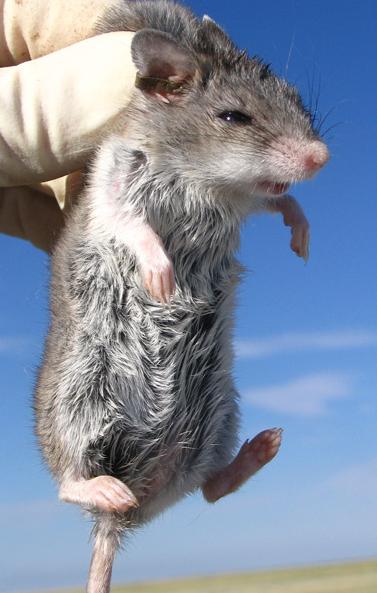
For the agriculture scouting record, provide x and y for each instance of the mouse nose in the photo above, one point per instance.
(316, 157)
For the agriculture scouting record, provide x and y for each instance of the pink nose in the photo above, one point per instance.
(316, 157)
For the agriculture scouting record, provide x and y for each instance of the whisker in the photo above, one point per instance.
(336, 125)
(290, 52)
(324, 118)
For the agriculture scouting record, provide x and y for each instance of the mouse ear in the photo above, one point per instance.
(211, 31)
(164, 67)
(208, 20)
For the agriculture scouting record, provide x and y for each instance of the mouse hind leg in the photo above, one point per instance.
(104, 493)
(251, 458)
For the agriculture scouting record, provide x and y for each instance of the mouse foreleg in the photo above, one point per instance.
(104, 493)
(130, 229)
(155, 265)
(295, 218)
(251, 458)
(114, 216)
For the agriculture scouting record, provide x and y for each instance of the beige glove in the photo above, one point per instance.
(54, 109)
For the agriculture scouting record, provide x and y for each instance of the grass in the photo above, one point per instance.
(358, 577)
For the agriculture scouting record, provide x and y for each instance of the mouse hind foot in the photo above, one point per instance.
(252, 456)
(103, 493)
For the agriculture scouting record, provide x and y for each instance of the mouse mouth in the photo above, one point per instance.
(273, 188)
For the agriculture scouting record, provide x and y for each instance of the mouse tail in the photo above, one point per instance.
(107, 540)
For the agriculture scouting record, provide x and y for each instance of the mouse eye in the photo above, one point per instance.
(235, 117)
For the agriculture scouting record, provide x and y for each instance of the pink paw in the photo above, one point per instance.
(295, 218)
(301, 239)
(109, 494)
(262, 448)
(104, 493)
(252, 456)
(158, 276)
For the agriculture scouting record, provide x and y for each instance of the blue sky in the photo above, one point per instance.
(306, 338)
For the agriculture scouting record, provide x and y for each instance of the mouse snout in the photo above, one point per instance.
(316, 157)
(296, 159)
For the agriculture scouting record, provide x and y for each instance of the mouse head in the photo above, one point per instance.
(209, 114)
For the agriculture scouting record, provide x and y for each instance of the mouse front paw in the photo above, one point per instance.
(300, 240)
(295, 218)
(157, 272)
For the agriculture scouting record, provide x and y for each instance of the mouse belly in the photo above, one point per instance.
(166, 394)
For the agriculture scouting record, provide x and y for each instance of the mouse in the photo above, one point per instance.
(135, 402)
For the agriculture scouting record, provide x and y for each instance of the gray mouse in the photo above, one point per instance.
(135, 402)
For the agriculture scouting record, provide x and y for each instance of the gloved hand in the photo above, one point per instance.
(54, 109)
